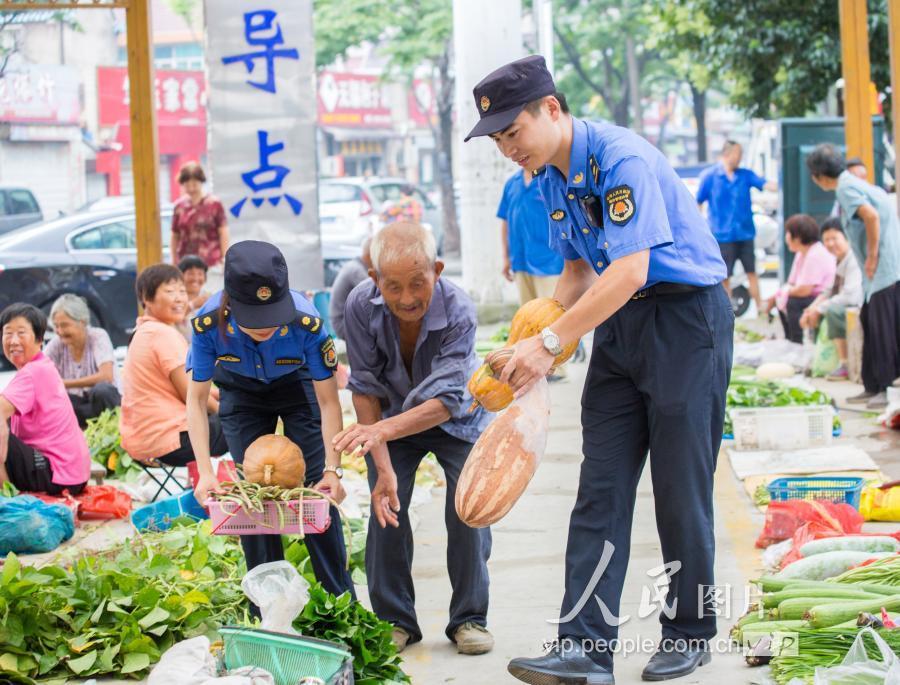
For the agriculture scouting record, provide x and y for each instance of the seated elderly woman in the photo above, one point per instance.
(83, 355)
(41, 449)
(811, 273)
(154, 382)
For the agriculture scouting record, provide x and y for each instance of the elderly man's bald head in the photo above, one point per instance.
(406, 269)
(400, 242)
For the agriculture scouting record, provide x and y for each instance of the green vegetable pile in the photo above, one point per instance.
(114, 613)
(105, 445)
(744, 392)
(824, 648)
(825, 616)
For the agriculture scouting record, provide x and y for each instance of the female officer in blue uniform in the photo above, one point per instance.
(644, 270)
(265, 348)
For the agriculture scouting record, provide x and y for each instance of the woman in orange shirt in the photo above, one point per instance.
(154, 382)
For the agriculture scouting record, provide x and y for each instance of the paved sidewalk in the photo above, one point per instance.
(527, 566)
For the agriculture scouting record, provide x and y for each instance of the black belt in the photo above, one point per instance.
(667, 289)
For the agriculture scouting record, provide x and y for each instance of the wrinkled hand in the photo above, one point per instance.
(530, 362)
(331, 486)
(385, 503)
(507, 270)
(206, 484)
(810, 318)
(359, 438)
(871, 265)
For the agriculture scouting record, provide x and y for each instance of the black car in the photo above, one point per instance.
(92, 254)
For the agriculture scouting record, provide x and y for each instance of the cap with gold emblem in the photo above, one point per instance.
(256, 281)
(502, 95)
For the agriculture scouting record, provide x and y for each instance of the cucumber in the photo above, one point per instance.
(826, 615)
(795, 608)
(858, 543)
(773, 599)
(771, 584)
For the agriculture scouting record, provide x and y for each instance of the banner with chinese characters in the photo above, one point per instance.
(262, 118)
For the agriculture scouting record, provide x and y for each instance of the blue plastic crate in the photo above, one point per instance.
(831, 489)
(160, 514)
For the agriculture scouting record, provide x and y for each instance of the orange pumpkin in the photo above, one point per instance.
(274, 460)
(484, 385)
(533, 317)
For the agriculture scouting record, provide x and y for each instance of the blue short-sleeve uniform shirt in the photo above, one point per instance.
(622, 196)
(730, 211)
(301, 344)
(529, 245)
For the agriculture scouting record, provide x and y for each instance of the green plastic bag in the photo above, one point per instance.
(825, 354)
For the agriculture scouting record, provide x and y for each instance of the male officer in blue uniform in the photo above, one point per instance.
(659, 369)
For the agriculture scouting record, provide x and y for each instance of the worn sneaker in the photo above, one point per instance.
(879, 401)
(839, 374)
(864, 396)
(471, 638)
(400, 638)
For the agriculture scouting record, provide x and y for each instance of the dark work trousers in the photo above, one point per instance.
(249, 408)
(657, 379)
(389, 551)
(94, 401)
(790, 320)
(880, 319)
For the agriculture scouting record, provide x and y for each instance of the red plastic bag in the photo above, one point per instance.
(226, 471)
(783, 519)
(104, 502)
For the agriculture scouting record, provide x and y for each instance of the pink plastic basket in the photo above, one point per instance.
(231, 519)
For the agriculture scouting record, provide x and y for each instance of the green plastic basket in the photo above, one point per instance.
(287, 657)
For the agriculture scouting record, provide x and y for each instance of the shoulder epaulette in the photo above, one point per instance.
(538, 172)
(308, 322)
(205, 322)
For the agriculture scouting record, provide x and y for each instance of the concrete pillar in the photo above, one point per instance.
(486, 35)
(857, 74)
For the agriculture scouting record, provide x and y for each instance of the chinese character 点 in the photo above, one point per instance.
(267, 176)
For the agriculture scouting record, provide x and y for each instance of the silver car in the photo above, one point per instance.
(18, 207)
(350, 211)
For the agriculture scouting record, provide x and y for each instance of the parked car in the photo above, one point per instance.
(92, 254)
(350, 211)
(18, 207)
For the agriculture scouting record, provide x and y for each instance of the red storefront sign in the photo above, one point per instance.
(180, 109)
(353, 100)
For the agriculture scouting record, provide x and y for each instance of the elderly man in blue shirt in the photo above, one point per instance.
(726, 187)
(411, 345)
(873, 229)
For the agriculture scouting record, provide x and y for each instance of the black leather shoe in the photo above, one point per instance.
(569, 666)
(668, 663)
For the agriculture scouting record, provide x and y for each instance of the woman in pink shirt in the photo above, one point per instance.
(811, 273)
(42, 449)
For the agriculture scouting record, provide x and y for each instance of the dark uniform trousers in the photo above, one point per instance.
(880, 319)
(657, 380)
(249, 408)
(389, 551)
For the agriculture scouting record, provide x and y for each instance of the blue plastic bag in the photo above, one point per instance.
(28, 525)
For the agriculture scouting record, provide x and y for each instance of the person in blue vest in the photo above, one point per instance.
(643, 270)
(726, 186)
(267, 351)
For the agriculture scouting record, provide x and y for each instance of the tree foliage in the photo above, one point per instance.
(778, 57)
(591, 59)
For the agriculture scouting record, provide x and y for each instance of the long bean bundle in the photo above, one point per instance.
(884, 572)
(822, 648)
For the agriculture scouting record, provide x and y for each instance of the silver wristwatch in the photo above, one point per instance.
(551, 342)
